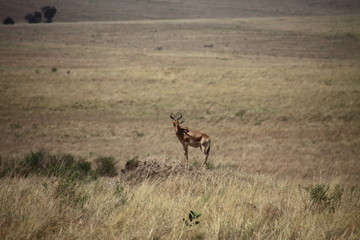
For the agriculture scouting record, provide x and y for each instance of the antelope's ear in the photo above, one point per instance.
(182, 121)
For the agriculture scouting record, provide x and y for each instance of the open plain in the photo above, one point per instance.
(278, 94)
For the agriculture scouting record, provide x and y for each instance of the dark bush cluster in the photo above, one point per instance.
(105, 166)
(67, 173)
(36, 17)
(33, 17)
(45, 164)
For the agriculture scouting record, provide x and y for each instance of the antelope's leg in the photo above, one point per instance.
(185, 147)
(205, 161)
(206, 150)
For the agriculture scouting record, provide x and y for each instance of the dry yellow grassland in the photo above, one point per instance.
(233, 205)
(279, 97)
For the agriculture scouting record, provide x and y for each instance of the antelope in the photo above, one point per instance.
(191, 138)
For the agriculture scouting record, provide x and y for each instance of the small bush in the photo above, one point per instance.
(66, 186)
(105, 166)
(8, 21)
(59, 165)
(192, 219)
(54, 69)
(84, 167)
(35, 161)
(119, 190)
(322, 197)
(66, 189)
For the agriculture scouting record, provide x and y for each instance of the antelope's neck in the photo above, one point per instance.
(180, 131)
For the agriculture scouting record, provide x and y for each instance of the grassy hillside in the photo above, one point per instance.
(114, 10)
(268, 90)
(279, 97)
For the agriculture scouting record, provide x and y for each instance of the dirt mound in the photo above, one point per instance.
(156, 168)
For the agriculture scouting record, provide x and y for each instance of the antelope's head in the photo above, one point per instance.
(176, 122)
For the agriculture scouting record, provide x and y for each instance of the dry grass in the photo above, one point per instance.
(279, 98)
(233, 205)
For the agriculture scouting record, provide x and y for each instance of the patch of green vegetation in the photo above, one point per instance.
(210, 166)
(66, 189)
(192, 219)
(323, 197)
(105, 166)
(42, 163)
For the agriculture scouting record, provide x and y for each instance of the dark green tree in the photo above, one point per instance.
(8, 21)
(49, 13)
(33, 18)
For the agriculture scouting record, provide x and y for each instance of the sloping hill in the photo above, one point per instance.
(114, 10)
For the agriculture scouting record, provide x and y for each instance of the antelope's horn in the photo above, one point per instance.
(171, 116)
(179, 117)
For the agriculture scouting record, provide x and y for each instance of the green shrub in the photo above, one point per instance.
(35, 161)
(210, 166)
(58, 165)
(120, 194)
(84, 167)
(44, 164)
(105, 166)
(192, 219)
(119, 189)
(66, 189)
(323, 197)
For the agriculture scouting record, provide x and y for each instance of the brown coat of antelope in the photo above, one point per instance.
(191, 138)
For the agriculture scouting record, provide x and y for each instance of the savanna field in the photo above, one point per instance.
(87, 149)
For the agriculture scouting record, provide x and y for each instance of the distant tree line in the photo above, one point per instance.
(47, 12)
(36, 17)
(33, 17)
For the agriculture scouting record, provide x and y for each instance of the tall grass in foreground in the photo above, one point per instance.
(227, 204)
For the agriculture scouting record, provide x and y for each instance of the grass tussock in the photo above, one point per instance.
(222, 203)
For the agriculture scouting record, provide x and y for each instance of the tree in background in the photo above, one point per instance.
(8, 21)
(33, 18)
(49, 13)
